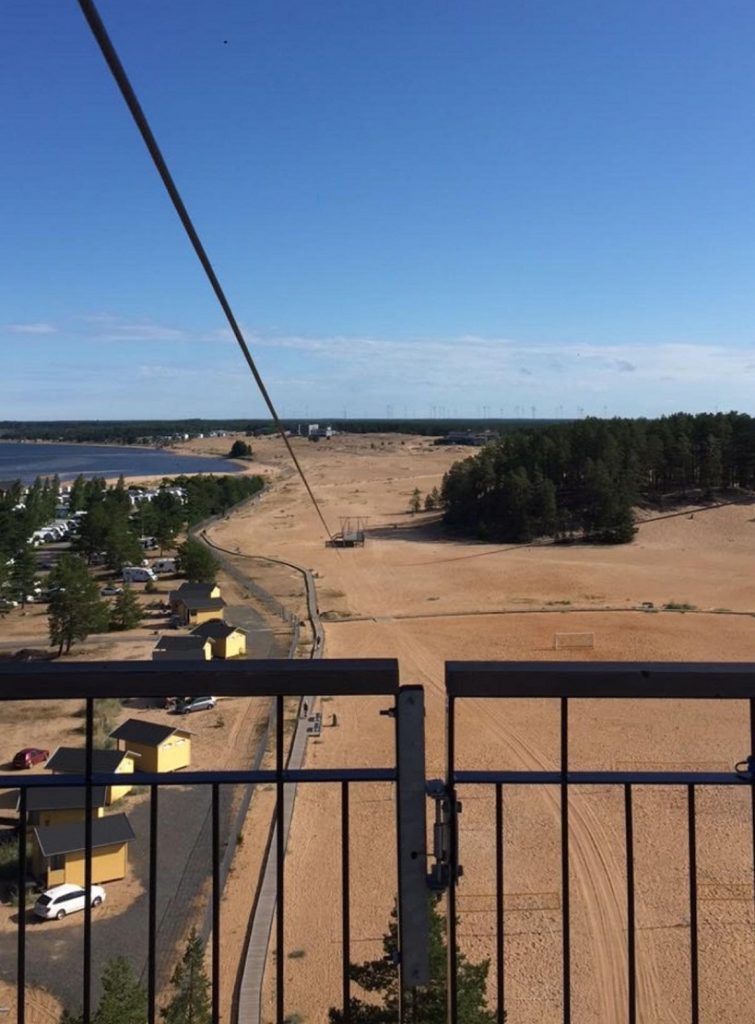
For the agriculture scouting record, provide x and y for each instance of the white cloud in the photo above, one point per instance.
(461, 374)
(144, 330)
(34, 328)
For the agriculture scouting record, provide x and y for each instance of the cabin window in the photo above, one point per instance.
(58, 862)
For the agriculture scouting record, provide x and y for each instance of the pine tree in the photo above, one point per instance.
(196, 562)
(121, 546)
(191, 1001)
(126, 612)
(415, 502)
(123, 1000)
(75, 608)
(23, 573)
(77, 495)
(426, 1005)
(5, 591)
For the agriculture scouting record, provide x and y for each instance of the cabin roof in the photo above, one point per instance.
(148, 734)
(63, 798)
(72, 760)
(71, 836)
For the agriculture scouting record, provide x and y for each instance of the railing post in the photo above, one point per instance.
(413, 923)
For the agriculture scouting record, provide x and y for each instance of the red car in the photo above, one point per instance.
(30, 756)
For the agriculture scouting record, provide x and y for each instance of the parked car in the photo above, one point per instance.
(30, 756)
(195, 704)
(66, 899)
(111, 591)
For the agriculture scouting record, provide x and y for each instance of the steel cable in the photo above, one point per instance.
(113, 62)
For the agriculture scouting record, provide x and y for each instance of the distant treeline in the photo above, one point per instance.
(581, 479)
(208, 495)
(134, 431)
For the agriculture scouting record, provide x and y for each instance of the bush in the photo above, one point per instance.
(240, 450)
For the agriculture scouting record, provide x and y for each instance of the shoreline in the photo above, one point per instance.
(184, 462)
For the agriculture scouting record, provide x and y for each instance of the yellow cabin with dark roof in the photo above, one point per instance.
(58, 851)
(160, 748)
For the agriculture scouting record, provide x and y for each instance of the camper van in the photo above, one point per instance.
(137, 574)
(164, 565)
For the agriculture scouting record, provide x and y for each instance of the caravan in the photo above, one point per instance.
(164, 565)
(137, 574)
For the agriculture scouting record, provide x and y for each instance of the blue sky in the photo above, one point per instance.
(459, 207)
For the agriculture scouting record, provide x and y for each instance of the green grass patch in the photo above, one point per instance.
(679, 606)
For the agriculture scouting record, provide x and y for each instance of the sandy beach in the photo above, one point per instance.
(413, 594)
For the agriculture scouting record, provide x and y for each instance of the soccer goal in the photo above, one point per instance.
(567, 640)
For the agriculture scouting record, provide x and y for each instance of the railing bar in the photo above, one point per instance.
(500, 1011)
(215, 903)
(565, 918)
(200, 778)
(279, 852)
(693, 947)
(543, 778)
(152, 926)
(88, 759)
(606, 680)
(347, 677)
(752, 817)
(345, 918)
(752, 792)
(21, 955)
(631, 949)
(331, 775)
(453, 864)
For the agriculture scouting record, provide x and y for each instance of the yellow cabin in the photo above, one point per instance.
(227, 641)
(160, 748)
(196, 611)
(72, 761)
(60, 805)
(58, 855)
(193, 591)
(194, 603)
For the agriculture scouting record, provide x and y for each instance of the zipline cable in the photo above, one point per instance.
(113, 62)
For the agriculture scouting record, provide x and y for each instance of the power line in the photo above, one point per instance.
(117, 70)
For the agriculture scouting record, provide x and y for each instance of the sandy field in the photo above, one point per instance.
(412, 594)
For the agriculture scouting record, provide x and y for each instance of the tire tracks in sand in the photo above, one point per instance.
(597, 873)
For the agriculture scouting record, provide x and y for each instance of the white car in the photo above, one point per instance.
(65, 899)
(195, 704)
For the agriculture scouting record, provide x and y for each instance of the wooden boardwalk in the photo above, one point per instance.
(250, 990)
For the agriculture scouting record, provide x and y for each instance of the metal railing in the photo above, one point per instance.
(567, 683)
(279, 680)
(417, 867)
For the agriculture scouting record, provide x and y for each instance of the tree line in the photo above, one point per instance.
(139, 431)
(582, 479)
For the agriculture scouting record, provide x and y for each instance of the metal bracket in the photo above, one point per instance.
(446, 808)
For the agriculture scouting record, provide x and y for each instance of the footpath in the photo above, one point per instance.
(249, 998)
